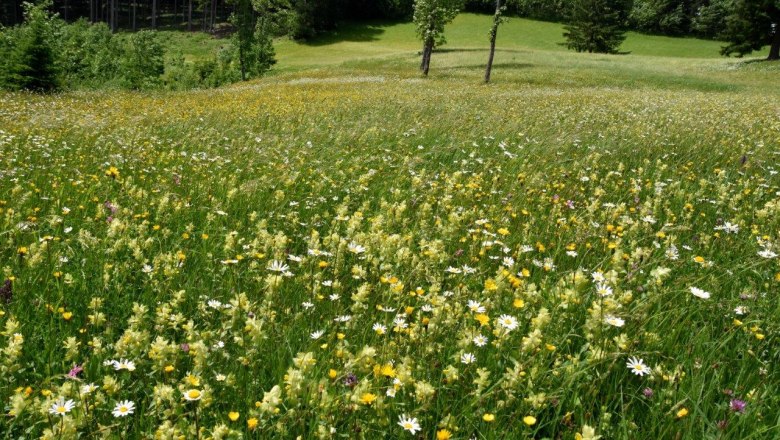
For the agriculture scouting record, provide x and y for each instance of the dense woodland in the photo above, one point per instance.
(702, 18)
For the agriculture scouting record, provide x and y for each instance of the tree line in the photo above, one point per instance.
(307, 17)
(700, 18)
(45, 50)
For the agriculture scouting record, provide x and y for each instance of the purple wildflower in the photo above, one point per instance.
(737, 405)
(351, 380)
(74, 372)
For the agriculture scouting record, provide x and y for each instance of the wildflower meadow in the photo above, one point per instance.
(345, 255)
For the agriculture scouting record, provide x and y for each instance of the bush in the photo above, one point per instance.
(143, 60)
(89, 53)
(551, 10)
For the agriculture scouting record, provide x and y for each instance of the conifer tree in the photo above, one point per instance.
(596, 26)
(256, 21)
(32, 64)
(751, 25)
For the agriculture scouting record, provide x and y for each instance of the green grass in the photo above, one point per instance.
(469, 31)
(125, 215)
(528, 53)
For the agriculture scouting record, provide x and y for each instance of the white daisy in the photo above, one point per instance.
(614, 321)
(475, 306)
(193, 395)
(61, 407)
(728, 227)
(278, 266)
(508, 322)
(124, 364)
(123, 409)
(467, 358)
(88, 388)
(603, 290)
(379, 328)
(637, 366)
(409, 423)
(356, 248)
(700, 293)
(766, 253)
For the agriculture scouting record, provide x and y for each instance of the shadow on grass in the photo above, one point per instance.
(496, 65)
(477, 49)
(761, 61)
(348, 32)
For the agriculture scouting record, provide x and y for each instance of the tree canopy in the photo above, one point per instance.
(751, 25)
(596, 25)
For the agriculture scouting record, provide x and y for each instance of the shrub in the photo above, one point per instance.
(143, 60)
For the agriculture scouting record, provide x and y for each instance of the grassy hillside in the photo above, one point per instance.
(528, 53)
(586, 246)
(469, 31)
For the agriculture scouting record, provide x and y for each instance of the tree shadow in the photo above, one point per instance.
(499, 65)
(348, 32)
(477, 49)
(755, 61)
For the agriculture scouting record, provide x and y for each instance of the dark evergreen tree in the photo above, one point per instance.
(709, 20)
(32, 64)
(596, 25)
(256, 22)
(751, 25)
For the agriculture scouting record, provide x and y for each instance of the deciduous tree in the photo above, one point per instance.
(430, 17)
(497, 19)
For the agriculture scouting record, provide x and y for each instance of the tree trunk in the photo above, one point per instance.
(213, 14)
(427, 51)
(493, 34)
(774, 48)
(189, 17)
(241, 61)
(135, 13)
(154, 14)
(91, 11)
(111, 21)
(65, 11)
